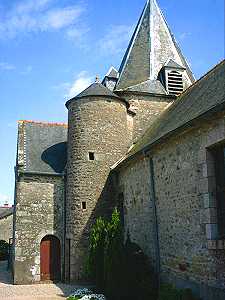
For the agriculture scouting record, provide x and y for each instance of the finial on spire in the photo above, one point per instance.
(97, 80)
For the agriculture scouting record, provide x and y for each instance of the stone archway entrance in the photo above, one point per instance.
(50, 258)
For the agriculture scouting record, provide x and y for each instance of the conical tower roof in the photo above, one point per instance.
(95, 89)
(151, 47)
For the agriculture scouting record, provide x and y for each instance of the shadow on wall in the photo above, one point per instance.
(55, 157)
(105, 205)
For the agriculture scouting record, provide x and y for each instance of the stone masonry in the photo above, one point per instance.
(190, 251)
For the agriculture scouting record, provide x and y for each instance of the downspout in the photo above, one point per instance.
(64, 238)
(155, 218)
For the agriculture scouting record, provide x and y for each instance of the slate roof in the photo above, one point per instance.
(205, 95)
(172, 64)
(149, 86)
(151, 45)
(45, 147)
(95, 89)
(5, 212)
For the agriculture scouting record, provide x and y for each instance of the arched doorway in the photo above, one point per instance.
(50, 258)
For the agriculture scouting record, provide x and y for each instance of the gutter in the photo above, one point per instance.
(20, 172)
(64, 229)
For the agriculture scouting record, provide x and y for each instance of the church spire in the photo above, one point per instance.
(151, 48)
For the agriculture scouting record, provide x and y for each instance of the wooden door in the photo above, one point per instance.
(50, 259)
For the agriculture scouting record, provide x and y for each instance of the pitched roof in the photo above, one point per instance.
(206, 94)
(95, 89)
(44, 147)
(5, 212)
(149, 86)
(151, 46)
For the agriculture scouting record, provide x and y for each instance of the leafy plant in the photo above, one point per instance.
(118, 268)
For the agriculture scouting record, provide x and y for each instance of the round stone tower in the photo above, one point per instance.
(97, 139)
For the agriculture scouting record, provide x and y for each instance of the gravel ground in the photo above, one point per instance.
(31, 292)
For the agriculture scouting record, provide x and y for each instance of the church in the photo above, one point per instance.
(148, 138)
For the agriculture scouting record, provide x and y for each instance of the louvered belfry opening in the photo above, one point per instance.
(175, 83)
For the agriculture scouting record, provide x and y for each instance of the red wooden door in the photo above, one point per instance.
(50, 259)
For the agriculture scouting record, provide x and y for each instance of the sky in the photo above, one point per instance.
(50, 50)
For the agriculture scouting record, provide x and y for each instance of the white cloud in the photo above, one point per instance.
(38, 16)
(31, 5)
(4, 199)
(72, 89)
(60, 18)
(116, 39)
(82, 81)
(6, 66)
(77, 33)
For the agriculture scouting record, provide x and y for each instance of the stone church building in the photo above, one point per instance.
(148, 138)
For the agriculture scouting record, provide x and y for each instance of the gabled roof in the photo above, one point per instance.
(172, 64)
(44, 146)
(206, 95)
(151, 46)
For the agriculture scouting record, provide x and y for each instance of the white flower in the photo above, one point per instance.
(93, 296)
(81, 292)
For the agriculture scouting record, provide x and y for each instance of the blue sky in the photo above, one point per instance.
(52, 49)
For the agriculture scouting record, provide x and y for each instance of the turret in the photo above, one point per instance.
(97, 138)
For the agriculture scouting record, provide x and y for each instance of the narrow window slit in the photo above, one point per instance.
(91, 156)
(84, 205)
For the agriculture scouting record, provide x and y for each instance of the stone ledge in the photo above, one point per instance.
(216, 245)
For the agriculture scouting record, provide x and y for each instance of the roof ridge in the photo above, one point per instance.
(43, 123)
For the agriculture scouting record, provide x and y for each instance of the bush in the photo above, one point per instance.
(4, 250)
(119, 270)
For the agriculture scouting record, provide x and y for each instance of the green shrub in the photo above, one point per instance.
(119, 270)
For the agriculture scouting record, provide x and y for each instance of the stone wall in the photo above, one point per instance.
(191, 253)
(146, 108)
(135, 184)
(6, 228)
(39, 212)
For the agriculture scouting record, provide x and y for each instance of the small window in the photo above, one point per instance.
(175, 83)
(91, 156)
(84, 205)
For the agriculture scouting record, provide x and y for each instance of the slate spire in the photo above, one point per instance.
(151, 47)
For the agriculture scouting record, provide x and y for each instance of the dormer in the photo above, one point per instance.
(172, 77)
(111, 78)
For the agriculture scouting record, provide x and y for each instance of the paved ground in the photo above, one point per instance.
(31, 292)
